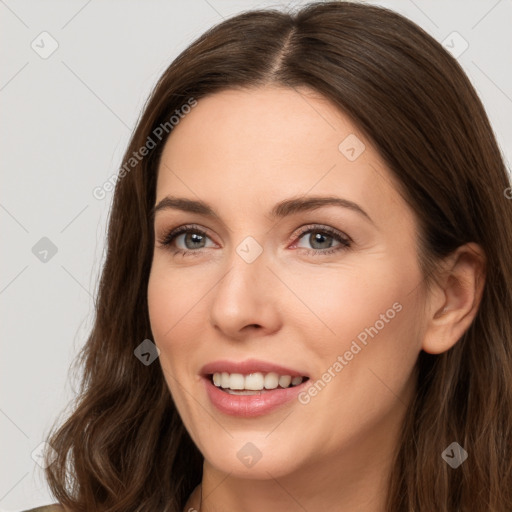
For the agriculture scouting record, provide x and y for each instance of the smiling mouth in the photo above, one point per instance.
(257, 383)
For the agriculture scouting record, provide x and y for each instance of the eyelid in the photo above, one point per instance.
(173, 233)
(335, 233)
(168, 238)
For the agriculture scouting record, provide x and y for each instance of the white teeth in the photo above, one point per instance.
(224, 380)
(236, 381)
(243, 392)
(253, 382)
(284, 381)
(271, 380)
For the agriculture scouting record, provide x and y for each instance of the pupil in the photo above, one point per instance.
(318, 238)
(195, 237)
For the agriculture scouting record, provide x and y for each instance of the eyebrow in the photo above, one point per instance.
(282, 209)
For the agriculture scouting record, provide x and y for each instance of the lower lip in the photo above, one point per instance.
(249, 406)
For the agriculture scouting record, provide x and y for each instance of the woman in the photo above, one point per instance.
(306, 299)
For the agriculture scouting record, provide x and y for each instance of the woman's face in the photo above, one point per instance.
(265, 284)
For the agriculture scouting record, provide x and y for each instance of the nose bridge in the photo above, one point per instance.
(244, 295)
(247, 273)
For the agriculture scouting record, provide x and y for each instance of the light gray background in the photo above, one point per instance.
(66, 121)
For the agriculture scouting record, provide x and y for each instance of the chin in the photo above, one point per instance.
(255, 456)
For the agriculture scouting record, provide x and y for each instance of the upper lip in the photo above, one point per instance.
(249, 366)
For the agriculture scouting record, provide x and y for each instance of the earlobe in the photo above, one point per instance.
(455, 302)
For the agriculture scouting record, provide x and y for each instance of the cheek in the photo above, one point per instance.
(173, 307)
(374, 321)
(161, 305)
(174, 313)
(339, 303)
(365, 313)
(173, 295)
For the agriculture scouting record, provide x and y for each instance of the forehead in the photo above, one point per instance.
(256, 145)
(262, 124)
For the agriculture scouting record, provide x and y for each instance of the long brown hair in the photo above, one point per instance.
(124, 447)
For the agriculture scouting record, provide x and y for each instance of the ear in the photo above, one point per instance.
(454, 300)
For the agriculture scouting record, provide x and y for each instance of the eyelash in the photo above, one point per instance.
(345, 242)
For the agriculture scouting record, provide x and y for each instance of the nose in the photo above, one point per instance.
(245, 301)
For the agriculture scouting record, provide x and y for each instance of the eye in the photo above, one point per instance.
(321, 239)
(192, 237)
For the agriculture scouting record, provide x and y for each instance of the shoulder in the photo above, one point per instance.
(47, 508)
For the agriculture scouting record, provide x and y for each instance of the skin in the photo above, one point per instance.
(243, 151)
